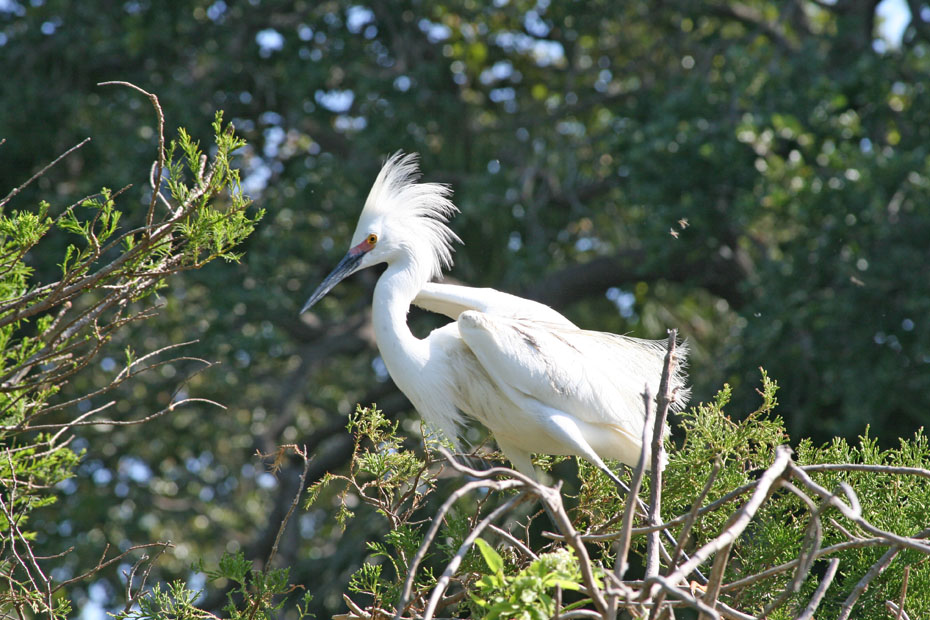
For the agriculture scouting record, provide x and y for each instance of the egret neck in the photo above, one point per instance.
(404, 354)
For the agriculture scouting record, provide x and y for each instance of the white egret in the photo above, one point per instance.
(538, 382)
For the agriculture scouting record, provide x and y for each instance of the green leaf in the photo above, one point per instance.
(493, 559)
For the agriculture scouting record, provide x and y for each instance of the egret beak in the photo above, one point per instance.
(346, 267)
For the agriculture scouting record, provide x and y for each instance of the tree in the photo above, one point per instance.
(52, 331)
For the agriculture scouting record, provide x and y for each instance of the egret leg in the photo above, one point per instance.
(564, 427)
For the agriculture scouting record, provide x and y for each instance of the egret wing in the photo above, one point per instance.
(452, 300)
(596, 377)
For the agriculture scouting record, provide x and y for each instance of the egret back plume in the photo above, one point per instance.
(418, 210)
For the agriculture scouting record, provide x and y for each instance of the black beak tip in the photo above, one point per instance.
(307, 306)
(346, 267)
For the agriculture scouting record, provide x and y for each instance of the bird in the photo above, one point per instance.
(535, 380)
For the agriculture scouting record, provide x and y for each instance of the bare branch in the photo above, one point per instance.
(160, 161)
(737, 523)
(821, 590)
(515, 542)
(854, 513)
(659, 458)
(873, 469)
(434, 529)
(462, 550)
(873, 572)
(41, 172)
(623, 546)
(300, 489)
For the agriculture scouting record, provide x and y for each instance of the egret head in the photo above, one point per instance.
(403, 220)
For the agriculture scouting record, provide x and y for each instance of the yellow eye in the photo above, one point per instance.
(372, 239)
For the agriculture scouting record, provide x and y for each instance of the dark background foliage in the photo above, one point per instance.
(755, 173)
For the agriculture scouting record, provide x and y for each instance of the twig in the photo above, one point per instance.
(514, 541)
(854, 512)
(714, 505)
(462, 550)
(160, 161)
(623, 546)
(853, 544)
(813, 537)
(907, 575)
(821, 590)
(145, 575)
(716, 578)
(580, 613)
(81, 422)
(103, 564)
(876, 469)
(737, 524)
(626, 525)
(663, 400)
(898, 610)
(300, 489)
(552, 501)
(668, 585)
(693, 513)
(468, 487)
(17, 190)
(733, 614)
(873, 572)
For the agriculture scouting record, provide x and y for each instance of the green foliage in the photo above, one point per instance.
(257, 589)
(254, 594)
(51, 331)
(209, 232)
(176, 601)
(393, 481)
(509, 585)
(529, 594)
(742, 447)
(895, 503)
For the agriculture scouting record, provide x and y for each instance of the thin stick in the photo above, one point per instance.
(843, 546)
(907, 575)
(896, 609)
(552, 501)
(160, 161)
(738, 522)
(821, 590)
(854, 513)
(626, 525)
(103, 564)
(300, 489)
(668, 585)
(9, 196)
(877, 469)
(453, 565)
(716, 577)
(629, 511)
(813, 537)
(693, 513)
(873, 572)
(468, 487)
(663, 400)
(714, 505)
(514, 541)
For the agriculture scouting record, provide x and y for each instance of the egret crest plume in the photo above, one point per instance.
(421, 209)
